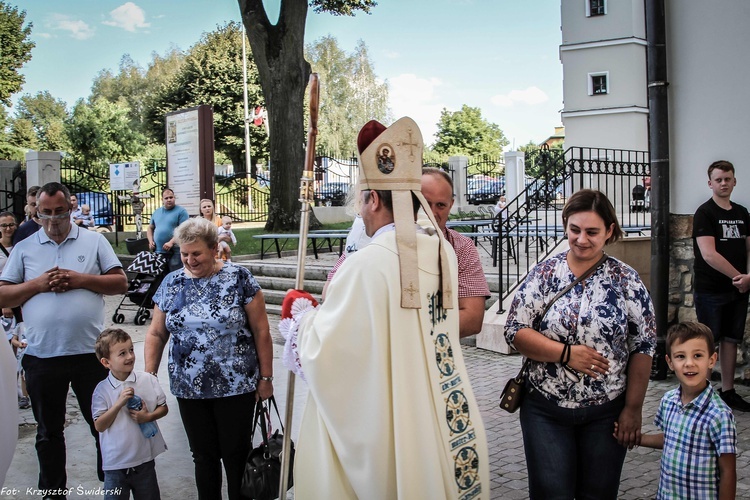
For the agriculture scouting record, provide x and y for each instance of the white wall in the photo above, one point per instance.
(612, 43)
(615, 131)
(626, 65)
(624, 18)
(709, 71)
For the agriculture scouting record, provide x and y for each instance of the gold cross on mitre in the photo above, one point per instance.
(410, 144)
(411, 290)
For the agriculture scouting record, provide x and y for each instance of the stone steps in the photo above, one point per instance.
(277, 278)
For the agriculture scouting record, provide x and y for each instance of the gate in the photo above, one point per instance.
(485, 182)
(241, 197)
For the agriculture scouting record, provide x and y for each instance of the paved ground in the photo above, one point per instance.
(489, 372)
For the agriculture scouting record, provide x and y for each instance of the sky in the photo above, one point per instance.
(498, 55)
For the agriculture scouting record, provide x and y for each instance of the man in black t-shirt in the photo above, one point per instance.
(721, 242)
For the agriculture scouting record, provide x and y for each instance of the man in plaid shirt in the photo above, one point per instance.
(699, 435)
(437, 188)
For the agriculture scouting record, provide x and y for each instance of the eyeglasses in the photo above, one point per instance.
(64, 215)
(6, 226)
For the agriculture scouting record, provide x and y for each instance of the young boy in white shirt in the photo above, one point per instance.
(127, 454)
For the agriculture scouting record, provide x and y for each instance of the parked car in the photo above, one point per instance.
(332, 194)
(484, 190)
(101, 208)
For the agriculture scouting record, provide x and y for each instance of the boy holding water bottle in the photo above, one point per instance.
(125, 407)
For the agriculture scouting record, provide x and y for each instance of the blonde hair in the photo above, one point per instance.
(107, 339)
(197, 229)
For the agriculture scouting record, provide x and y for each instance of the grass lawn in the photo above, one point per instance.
(246, 244)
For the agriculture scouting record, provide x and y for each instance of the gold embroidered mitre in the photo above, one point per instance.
(390, 159)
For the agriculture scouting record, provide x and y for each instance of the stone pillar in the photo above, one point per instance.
(42, 167)
(515, 173)
(458, 165)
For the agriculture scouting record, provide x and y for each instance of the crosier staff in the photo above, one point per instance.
(306, 200)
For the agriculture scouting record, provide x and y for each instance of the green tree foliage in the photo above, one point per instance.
(45, 116)
(137, 88)
(128, 87)
(278, 51)
(100, 133)
(465, 132)
(212, 74)
(15, 50)
(536, 160)
(350, 94)
(7, 150)
(22, 135)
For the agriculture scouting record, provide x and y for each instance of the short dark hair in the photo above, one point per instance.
(591, 200)
(107, 339)
(8, 214)
(167, 189)
(438, 172)
(688, 330)
(386, 197)
(723, 165)
(33, 190)
(52, 188)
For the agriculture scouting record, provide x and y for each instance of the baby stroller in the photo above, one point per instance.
(150, 270)
(638, 200)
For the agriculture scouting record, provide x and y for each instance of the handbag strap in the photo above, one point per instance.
(565, 290)
(562, 292)
(263, 417)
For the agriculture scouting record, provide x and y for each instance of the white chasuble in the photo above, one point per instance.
(390, 412)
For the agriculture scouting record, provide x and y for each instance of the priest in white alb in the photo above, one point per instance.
(390, 412)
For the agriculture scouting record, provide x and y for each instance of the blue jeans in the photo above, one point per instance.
(174, 261)
(141, 480)
(723, 313)
(48, 381)
(571, 453)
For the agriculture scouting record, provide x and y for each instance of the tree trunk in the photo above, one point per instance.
(283, 72)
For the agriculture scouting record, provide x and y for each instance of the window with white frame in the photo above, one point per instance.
(598, 83)
(596, 7)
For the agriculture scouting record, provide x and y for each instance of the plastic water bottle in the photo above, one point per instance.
(149, 429)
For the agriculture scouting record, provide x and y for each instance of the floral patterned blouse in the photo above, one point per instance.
(612, 313)
(211, 351)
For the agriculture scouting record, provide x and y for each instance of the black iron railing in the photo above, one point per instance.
(530, 227)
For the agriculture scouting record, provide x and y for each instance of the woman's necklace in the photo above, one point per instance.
(200, 291)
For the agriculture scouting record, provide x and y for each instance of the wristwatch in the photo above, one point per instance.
(267, 379)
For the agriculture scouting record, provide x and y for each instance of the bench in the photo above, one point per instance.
(316, 240)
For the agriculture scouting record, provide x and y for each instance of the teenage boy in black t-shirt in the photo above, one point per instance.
(721, 242)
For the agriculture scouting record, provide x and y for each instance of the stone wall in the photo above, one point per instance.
(681, 305)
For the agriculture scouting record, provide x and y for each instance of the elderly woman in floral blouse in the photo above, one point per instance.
(590, 359)
(220, 354)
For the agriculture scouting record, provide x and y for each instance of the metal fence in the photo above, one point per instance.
(530, 227)
(485, 180)
(240, 196)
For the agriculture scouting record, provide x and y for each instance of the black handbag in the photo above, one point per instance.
(512, 395)
(263, 465)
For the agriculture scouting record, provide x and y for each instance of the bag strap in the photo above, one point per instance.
(263, 417)
(565, 290)
(272, 401)
(5, 250)
(562, 292)
(260, 418)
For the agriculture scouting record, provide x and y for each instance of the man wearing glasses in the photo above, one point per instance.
(31, 225)
(59, 276)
